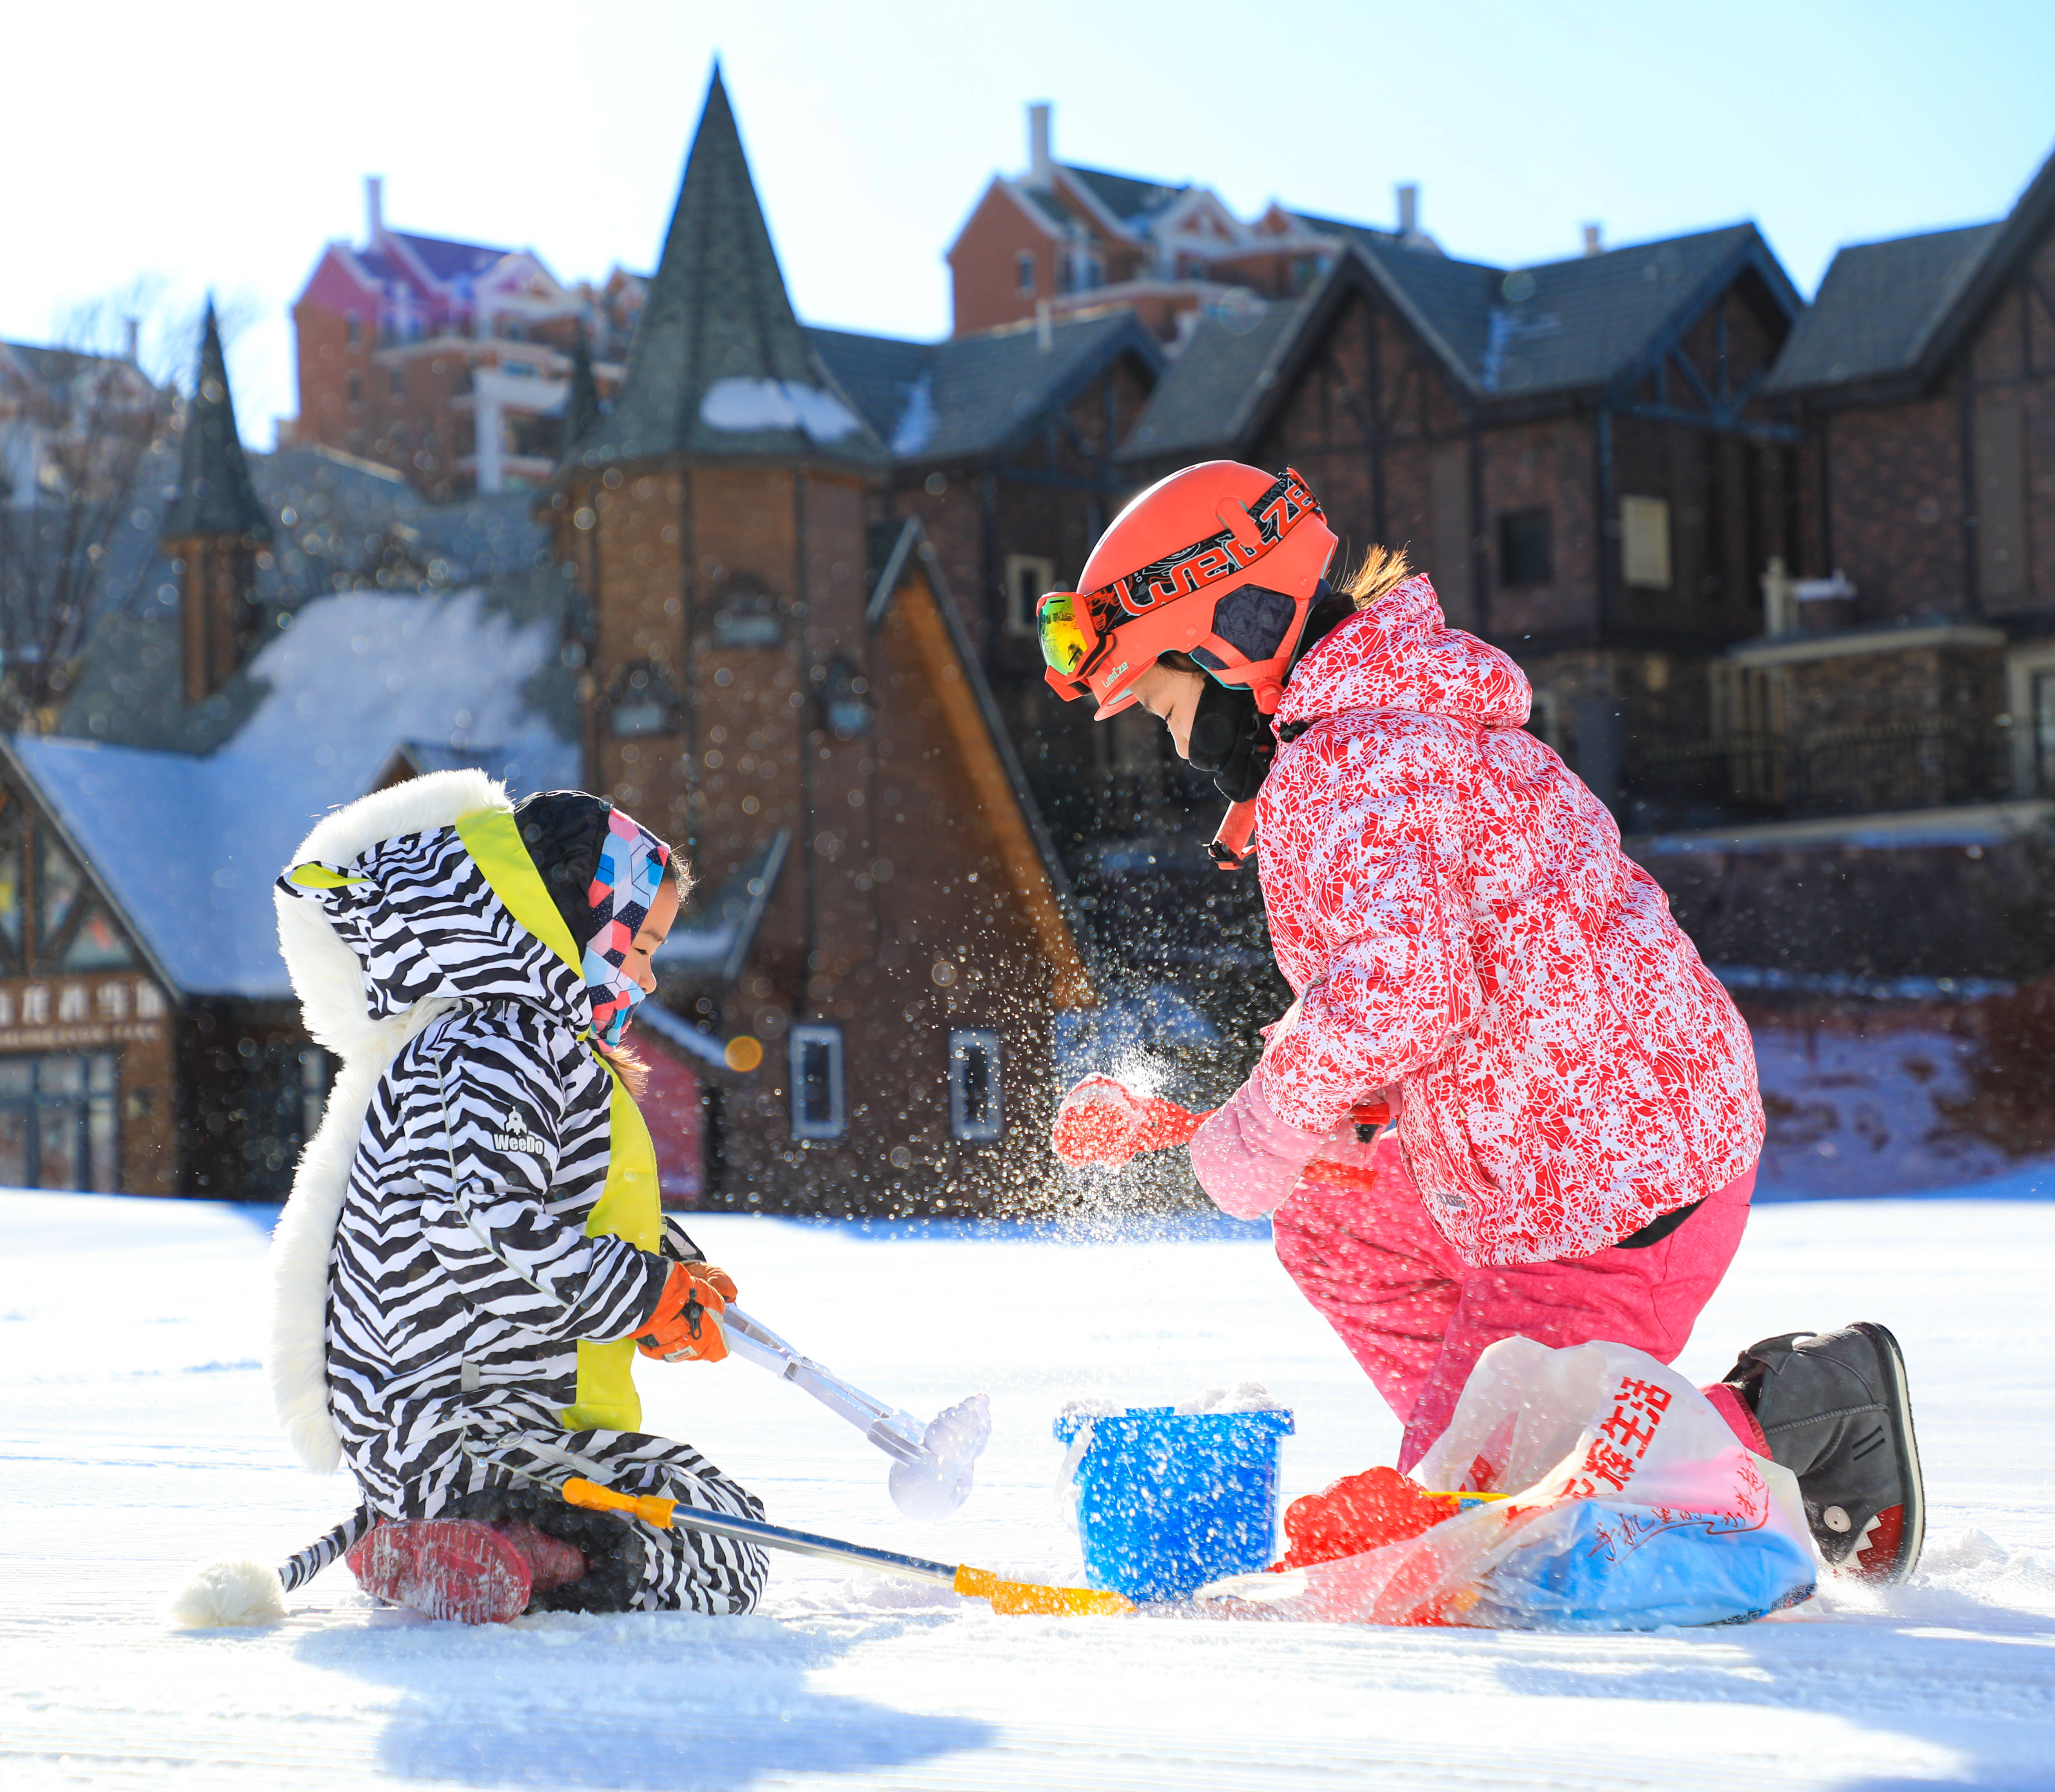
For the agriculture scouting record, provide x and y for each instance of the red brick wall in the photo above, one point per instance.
(984, 268)
(1895, 503)
(895, 864)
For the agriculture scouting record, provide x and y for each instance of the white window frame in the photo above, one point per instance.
(1644, 543)
(2024, 667)
(1027, 277)
(815, 1034)
(1027, 577)
(960, 1040)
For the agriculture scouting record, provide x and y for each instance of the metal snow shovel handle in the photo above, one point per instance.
(883, 1425)
(1011, 1597)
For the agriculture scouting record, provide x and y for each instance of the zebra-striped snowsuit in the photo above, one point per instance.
(461, 1279)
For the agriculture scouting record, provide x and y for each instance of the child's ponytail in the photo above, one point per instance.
(1380, 569)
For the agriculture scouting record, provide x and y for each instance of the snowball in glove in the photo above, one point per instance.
(1102, 1121)
(686, 1326)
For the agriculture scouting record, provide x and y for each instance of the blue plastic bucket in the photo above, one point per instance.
(1168, 1501)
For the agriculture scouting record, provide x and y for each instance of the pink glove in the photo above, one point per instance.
(1102, 1121)
(1248, 1159)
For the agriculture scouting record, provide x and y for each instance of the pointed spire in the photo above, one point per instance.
(215, 494)
(581, 409)
(719, 365)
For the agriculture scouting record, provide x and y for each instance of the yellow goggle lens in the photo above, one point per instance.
(1065, 640)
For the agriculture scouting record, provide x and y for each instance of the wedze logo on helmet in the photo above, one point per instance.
(1216, 561)
(1186, 550)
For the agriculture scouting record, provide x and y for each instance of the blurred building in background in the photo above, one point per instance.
(1783, 578)
(775, 672)
(454, 364)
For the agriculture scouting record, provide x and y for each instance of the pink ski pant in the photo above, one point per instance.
(1417, 1317)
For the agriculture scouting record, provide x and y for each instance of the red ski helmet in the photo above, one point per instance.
(1220, 561)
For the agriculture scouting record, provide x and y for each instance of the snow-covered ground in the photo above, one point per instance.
(136, 1440)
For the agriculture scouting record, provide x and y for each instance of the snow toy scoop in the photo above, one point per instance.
(1167, 1500)
(1015, 1598)
(931, 1464)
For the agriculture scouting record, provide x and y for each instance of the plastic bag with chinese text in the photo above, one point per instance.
(1626, 1502)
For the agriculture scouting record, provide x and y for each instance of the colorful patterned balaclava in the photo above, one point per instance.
(632, 865)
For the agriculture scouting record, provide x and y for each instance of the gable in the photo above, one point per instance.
(922, 650)
(57, 917)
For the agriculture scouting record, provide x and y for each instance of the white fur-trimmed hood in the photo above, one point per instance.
(329, 983)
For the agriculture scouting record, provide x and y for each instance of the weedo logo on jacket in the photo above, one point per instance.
(517, 1138)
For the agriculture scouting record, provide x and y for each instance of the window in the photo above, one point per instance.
(845, 700)
(355, 328)
(816, 1092)
(356, 388)
(398, 382)
(747, 617)
(1025, 264)
(1027, 578)
(974, 1097)
(1644, 542)
(57, 1124)
(642, 704)
(1525, 556)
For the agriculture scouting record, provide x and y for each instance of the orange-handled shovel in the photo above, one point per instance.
(1011, 1597)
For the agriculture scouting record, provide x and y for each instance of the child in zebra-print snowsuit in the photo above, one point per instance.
(461, 1278)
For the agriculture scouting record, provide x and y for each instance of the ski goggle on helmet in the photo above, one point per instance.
(1220, 561)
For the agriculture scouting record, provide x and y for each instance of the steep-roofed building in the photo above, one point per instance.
(1065, 241)
(1921, 606)
(1575, 451)
(777, 676)
(451, 362)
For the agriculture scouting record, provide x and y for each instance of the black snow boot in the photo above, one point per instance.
(1834, 1407)
(614, 1567)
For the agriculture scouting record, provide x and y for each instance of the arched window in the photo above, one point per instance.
(642, 703)
(747, 616)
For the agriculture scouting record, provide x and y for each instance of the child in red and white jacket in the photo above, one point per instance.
(1576, 1116)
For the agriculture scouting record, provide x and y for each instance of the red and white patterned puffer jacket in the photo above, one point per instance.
(1452, 907)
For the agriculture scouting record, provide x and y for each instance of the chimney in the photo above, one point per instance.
(130, 329)
(1408, 209)
(374, 207)
(1593, 245)
(1041, 171)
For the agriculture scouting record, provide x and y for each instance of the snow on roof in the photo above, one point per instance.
(189, 846)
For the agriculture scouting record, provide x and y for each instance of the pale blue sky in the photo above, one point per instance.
(220, 144)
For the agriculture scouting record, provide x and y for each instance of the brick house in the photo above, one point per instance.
(1575, 451)
(451, 362)
(1922, 647)
(1003, 446)
(1065, 241)
(777, 673)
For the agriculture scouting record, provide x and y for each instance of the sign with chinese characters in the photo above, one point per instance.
(80, 1014)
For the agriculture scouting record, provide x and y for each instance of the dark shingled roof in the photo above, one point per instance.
(1880, 307)
(447, 260)
(215, 494)
(720, 366)
(1207, 395)
(1564, 326)
(971, 396)
(1122, 195)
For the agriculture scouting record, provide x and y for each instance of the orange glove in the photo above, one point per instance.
(1102, 1121)
(686, 1326)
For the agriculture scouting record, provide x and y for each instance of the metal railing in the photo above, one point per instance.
(1935, 763)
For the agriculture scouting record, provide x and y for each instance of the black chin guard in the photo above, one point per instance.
(1231, 741)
